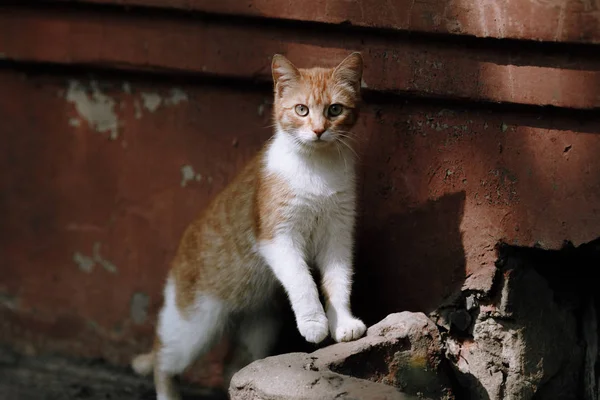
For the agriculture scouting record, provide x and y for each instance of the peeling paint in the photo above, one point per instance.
(74, 122)
(151, 101)
(177, 96)
(138, 109)
(87, 264)
(262, 107)
(98, 109)
(188, 174)
(139, 307)
(107, 265)
(9, 301)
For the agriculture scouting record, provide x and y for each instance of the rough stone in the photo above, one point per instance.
(482, 279)
(400, 358)
(524, 342)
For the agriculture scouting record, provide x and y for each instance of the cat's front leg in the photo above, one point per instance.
(286, 260)
(334, 260)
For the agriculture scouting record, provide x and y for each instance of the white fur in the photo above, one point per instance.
(319, 226)
(314, 175)
(185, 337)
(143, 364)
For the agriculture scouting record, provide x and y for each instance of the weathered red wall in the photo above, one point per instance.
(101, 173)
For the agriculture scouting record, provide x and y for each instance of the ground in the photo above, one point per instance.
(56, 378)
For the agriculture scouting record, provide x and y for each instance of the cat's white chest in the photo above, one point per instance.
(313, 177)
(321, 188)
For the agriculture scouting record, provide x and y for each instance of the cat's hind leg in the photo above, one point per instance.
(253, 339)
(183, 336)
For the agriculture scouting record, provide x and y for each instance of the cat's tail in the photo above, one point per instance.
(143, 364)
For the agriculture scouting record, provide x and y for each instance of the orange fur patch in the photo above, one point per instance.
(271, 196)
(317, 88)
(217, 241)
(218, 245)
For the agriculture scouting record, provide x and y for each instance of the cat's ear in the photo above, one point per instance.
(350, 70)
(284, 73)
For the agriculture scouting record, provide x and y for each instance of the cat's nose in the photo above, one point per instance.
(318, 131)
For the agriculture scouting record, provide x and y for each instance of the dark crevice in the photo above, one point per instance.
(530, 279)
(133, 74)
(570, 274)
(568, 271)
(375, 365)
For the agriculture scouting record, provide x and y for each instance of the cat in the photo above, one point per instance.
(292, 206)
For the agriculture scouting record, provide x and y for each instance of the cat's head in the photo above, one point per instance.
(318, 106)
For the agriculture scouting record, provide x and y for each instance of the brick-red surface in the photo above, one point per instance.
(566, 21)
(243, 50)
(100, 176)
(441, 186)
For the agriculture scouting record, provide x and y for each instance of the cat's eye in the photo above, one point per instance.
(334, 110)
(301, 110)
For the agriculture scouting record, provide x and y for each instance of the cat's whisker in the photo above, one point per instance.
(347, 137)
(351, 135)
(350, 148)
(342, 156)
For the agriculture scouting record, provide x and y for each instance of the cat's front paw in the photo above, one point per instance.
(348, 329)
(314, 329)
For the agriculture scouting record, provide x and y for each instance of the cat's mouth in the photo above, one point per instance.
(323, 140)
(312, 141)
(318, 143)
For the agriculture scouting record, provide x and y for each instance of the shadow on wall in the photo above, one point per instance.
(405, 259)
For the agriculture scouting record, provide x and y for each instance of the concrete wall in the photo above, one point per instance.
(120, 119)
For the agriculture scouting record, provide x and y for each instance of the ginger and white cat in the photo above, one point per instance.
(291, 207)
